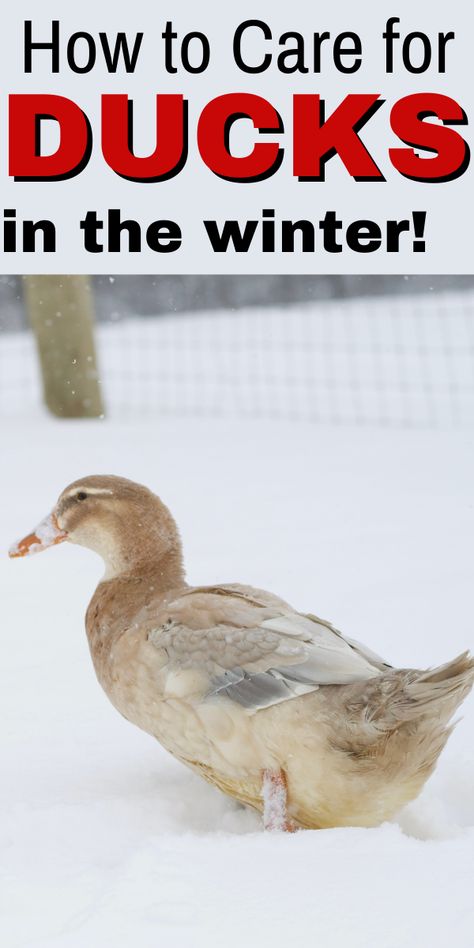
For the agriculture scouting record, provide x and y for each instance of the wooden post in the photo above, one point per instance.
(61, 314)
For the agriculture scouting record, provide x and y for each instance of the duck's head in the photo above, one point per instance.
(124, 522)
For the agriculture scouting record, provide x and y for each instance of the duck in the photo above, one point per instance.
(273, 706)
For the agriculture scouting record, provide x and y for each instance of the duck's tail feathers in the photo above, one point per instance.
(445, 686)
(410, 696)
(406, 696)
(399, 722)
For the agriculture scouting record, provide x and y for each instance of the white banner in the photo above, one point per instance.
(197, 138)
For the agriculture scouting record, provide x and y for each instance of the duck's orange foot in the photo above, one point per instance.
(275, 802)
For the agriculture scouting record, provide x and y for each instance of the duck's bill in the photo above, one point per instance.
(47, 533)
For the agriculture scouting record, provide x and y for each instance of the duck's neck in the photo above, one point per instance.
(141, 565)
(140, 542)
(133, 566)
(132, 597)
(144, 569)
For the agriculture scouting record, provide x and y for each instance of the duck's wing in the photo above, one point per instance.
(359, 647)
(254, 653)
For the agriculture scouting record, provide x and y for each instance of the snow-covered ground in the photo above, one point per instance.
(108, 841)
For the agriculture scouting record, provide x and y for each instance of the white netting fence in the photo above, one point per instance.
(394, 361)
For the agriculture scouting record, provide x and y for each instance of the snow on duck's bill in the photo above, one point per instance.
(47, 533)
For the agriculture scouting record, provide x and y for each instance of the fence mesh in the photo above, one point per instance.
(390, 361)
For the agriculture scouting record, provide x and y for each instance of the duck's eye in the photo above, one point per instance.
(81, 495)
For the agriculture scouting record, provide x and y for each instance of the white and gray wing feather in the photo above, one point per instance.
(281, 658)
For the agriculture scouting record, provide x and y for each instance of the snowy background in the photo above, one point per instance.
(366, 519)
